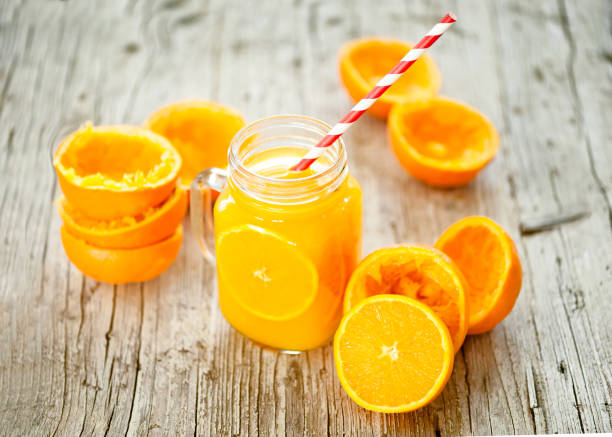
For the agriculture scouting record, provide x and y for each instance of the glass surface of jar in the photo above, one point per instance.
(285, 242)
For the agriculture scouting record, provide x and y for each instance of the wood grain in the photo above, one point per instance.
(80, 357)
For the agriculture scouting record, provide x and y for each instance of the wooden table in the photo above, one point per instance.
(81, 357)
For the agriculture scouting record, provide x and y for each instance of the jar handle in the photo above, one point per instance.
(201, 208)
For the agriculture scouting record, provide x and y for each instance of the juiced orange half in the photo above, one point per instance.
(364, 61)
(441, 142)
(120, 266)
(488, 258)
(200, 130)
(155, 224)
(109, 172)
(419, 272)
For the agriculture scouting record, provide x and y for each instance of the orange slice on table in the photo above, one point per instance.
(364, 61)
(109, 172)
(419, 272)
(441, 142)
(155, 224)
(488, 258)
(119, 266)
(200, 130)
(265, 273)
(393, 354)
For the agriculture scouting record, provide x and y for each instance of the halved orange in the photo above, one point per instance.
(109, 172)
(488, 258)
(419, 272)
(364, 61)
(266, 274)
(119, 266)
(441, 142)
(393, 354)
(200, 130)
(154, 225)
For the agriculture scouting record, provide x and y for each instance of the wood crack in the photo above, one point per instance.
(275, 391)
(9, 145)
(65, 387)
(532, 392)
(141, 320)
(5, 192)
(505, 393)
(82, 306)
(108, 334)
(578, 107)
(503, 91)
(532, 320)
(259, 390)
(573, 339)
(197, 398)
(110, 395)
(154, 371)
(514, 379)
(327, 399)
(467, 386)
(7, 83)
(41, 290)
(577, 404)
(485, 385)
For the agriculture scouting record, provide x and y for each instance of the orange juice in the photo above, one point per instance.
(285, 242)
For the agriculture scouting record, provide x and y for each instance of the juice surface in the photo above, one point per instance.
(283, 267)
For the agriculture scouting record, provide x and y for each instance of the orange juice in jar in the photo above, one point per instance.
(285, 242)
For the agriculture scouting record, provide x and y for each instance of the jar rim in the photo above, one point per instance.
(280, 189)
(238, 140)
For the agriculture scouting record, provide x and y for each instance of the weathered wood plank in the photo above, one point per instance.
(568, 293)
(158, 358)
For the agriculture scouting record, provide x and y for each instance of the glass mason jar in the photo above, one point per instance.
(285, 243)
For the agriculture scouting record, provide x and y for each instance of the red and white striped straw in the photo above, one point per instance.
(380, 88)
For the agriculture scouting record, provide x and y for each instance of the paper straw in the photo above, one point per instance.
(380, 88)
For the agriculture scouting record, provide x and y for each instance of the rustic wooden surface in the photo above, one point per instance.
(80, 357)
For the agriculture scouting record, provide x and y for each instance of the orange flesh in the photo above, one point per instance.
(374, 60)
(115, 160)
(408, 279)
(415, 272)
(260, 280)
(393, 354)
(480, 256)
(446, 132)
(94, 225)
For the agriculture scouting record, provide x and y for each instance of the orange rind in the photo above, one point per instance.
(120, 266)
(363, 62)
